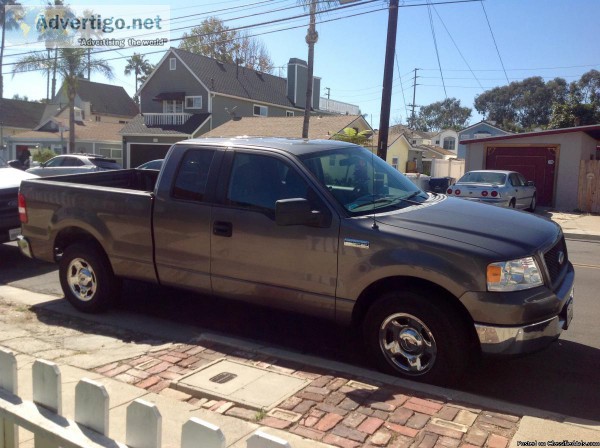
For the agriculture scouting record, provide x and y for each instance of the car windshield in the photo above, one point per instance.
(107, 164)
(361, 181)
(482, 177)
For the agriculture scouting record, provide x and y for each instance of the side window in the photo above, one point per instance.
(71, 161)
(190, 183)
(57, 161)
(259, 181)
(514, 180)
(522, 179)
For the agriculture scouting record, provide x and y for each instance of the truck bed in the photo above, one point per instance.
(119, 215)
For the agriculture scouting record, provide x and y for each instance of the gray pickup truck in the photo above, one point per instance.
(319, 227)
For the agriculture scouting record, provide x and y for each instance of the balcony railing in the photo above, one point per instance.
(165, 119)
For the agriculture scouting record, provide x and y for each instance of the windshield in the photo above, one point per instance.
(362, 182)
(482, 177)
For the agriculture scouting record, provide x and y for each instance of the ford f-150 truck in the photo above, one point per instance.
(319, 227)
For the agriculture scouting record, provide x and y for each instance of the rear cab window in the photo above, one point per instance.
(192, 175)
(106, 164)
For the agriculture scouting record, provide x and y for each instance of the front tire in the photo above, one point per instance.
(414, 337)
(533, 204)
(87, 279)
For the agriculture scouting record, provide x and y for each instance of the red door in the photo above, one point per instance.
(535, 163)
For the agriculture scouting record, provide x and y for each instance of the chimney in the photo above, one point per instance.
(297, 75)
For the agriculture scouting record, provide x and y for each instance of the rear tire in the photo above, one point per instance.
(87, 279)
(414, 337)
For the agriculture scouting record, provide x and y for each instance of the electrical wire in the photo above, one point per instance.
(495, 43)
(401, 85)
(437, 53)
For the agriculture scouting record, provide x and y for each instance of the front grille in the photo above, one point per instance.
(553, 259)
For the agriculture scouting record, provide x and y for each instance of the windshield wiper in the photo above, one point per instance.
(388, 200)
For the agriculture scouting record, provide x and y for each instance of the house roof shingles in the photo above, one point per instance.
(106, 98)
(21, 114)
(230, 79)
(89, 130)
(288, 127)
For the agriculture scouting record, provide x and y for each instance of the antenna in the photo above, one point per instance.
(374, 226)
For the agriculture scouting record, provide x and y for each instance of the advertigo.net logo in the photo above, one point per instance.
(40, 27)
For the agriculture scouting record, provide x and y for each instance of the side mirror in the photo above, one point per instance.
(298, 212)
(530, 183)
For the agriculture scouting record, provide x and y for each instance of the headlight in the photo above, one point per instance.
(513, 275)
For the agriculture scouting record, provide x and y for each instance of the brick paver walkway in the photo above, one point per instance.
(338, 410)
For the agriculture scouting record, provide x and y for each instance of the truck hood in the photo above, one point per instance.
(12, 177)
(507, 232)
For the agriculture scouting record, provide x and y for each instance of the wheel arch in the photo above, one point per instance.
(434, 292)
(73, 235)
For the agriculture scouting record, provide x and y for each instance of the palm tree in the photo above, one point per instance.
(8, 20)
(311, 39)
(70, 64)
(138, 65)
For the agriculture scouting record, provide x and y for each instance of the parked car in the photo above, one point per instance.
(320, 227)
(74, 164)
(151, 165)
(10, 179)
(501, 188)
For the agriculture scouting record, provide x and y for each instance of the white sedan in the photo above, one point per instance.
(501, 188)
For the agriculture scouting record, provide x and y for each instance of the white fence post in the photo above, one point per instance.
(47, 392)
(144, 425)
(9, 435)
(263, 440)
(197, 433)
(47, 388)
(92, 405)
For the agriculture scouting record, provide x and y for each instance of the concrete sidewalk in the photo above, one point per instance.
(337, 404)
(583, 226)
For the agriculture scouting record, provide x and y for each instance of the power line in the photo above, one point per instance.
(494, 39)
(437, 53)
(401, 86)
(456, 46)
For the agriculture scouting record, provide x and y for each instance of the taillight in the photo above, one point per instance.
(22, 209)
(457, 192)
(494, 194)
(449, 191)
(484, 193)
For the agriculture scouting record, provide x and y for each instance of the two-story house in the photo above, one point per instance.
(189, 94)
(483, 129)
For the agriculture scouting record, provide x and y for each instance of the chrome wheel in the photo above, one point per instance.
(82, 279)
(407, 344)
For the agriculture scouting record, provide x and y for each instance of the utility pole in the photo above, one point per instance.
(413, 105)
(388, 78)
(328, 91)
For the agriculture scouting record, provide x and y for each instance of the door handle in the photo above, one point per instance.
(222, 228)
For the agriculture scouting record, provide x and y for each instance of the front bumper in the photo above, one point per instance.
(497, 340)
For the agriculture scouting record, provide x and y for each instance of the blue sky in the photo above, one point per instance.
(548, 38)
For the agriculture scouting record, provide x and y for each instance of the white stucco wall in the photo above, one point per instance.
(573, 147)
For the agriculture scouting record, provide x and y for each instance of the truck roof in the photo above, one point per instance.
(295, 146)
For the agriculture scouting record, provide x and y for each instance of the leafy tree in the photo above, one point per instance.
(352, 135)
(522, 105)
(18, 97)
(446, 114)
(138, 65)
(582, 106)
(214, 39)
(8, 20)
(70, 66)
(42, 155)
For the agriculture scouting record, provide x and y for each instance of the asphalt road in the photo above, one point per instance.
(563, 378)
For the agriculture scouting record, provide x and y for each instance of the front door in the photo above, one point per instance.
(253, 258)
